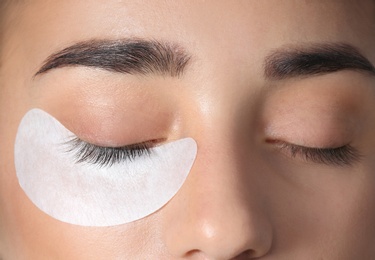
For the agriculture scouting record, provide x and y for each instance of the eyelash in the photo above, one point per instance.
(107, 156)
(85, 152)
(345, 155)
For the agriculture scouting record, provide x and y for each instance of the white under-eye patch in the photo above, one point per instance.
(87, 194)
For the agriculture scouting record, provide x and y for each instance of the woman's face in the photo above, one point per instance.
(263, 81)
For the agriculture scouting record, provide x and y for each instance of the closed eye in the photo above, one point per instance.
(345, 155)
(107, 156)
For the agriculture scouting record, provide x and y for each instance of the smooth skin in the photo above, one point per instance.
(245, 197)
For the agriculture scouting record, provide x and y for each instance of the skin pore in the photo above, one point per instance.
(274, 113)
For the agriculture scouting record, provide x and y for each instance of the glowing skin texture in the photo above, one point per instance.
(88, 194)
(279, 95)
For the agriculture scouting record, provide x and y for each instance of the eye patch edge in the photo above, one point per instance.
(86, 195)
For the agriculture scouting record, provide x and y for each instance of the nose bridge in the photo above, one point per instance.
(233, 207)
(225, 213)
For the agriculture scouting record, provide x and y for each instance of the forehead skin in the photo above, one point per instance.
(228, 41)
(349, 21)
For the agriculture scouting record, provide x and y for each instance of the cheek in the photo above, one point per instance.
(349, 225)
(347, 206)
(319, 209)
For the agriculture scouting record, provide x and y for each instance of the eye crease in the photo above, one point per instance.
(342, 156)
(85, 152)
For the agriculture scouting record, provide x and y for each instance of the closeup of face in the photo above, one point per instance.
(261, 113)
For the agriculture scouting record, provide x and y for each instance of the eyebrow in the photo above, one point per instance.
(137, 56)
(315, 60)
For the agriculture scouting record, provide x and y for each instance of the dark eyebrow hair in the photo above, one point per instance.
(124, 56)
(314, 60)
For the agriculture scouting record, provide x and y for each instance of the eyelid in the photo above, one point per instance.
(345, 155)
(85, 152)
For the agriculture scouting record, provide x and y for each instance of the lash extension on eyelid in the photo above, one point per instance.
(107, 156)
(345, 155)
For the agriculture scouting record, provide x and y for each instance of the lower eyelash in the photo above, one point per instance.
(106, 156)
(341, 156)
